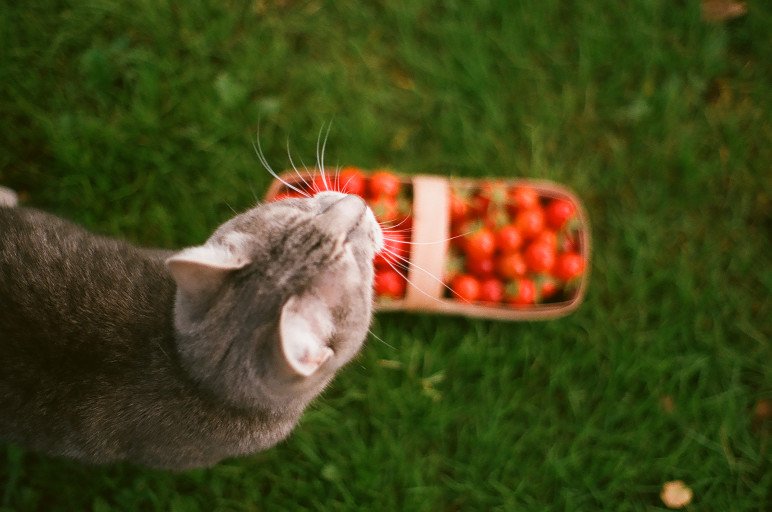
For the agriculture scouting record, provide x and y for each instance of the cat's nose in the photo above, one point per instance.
(325, 200)
(341, 212)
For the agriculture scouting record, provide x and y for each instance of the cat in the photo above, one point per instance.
(177, 360)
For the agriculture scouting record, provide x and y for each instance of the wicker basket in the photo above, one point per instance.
(430, 248)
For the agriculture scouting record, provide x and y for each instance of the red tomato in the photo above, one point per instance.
(558, 212)
(351, 180)
(530, 222)
(548, 237)
(459, 208)
(395, 249)
(523, 197)
(511, 266)
(509, 239)
(480, 244)
(520, 292)
(481, 268)
(568, 242)
(496, 217)
(322, 183)
(453, 267)
(388, 283)
(465, 288)
(491, 194)
(459, 232)
(384, 184)
(479, 205)
(540, 257)
(568, 266)
(404, 223)
(385, 209)
(491, 290)
(548, 287)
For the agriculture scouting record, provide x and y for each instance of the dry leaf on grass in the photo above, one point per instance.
(716, 11)
(667, 404)
(762, 412)
(676, 494)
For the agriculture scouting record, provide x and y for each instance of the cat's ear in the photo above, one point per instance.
(199, 270)
(305, 327)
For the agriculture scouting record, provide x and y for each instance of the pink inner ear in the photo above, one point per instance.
(198, 269)
(304, 325)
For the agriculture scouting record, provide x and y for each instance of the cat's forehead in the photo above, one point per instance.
(305, 205)
(286, 212)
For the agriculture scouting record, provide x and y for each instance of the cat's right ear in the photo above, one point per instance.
(201, 270)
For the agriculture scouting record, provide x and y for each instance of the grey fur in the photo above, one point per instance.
(104, 358)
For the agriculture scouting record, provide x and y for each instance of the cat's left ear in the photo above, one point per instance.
(305, 326)
(200, 270)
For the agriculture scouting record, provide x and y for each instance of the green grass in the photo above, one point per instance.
(136, 119)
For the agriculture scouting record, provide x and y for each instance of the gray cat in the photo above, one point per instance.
(109, 352)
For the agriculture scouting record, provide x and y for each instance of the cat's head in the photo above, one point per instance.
(277, 299)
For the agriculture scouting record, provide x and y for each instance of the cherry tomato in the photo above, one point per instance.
(459, 208)
(511, 266)
(547, 285)
(496, 217)
(492, 194)
(478, 206)
(482, 268)
(509, 239)
(568, 266)
(558, 212)
(465, 288)
(459, 232)
(453, 267)
(404, 222)
(352, 180)
(548, 237)
(568, 242)
(523, 197)
(395, 249)
(385, 209)
(530, 222)
(384, 184)
(520, 292)
(540, 257)
(491, 290)
(322, 183)
(480, 244)
(388, 283)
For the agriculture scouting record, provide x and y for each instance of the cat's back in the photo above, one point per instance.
(61, 285)
(87, 345)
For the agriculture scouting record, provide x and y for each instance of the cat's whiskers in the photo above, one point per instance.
(231, 207)
(408, 242)
(264, 161)
(381, 339)
(409, 264)
(405, 276)
(345, 185)
(297, 172)
(320, 154)
(386, 227)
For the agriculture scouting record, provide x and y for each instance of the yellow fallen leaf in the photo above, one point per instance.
(667, 404)
(716, 11)
(675, 494)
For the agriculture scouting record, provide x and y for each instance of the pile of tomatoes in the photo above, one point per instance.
(389, 198)
(510, 245)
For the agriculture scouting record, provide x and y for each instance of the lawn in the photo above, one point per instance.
(137, 119)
